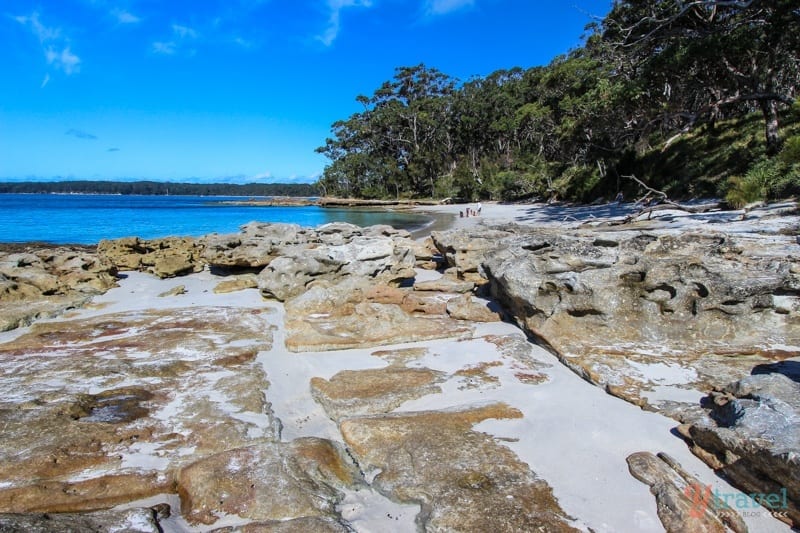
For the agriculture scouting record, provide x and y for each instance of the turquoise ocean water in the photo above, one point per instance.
(86, 219)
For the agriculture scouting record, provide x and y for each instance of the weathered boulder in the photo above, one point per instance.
(465, 307)
(378, 259)
(46, 281)
(236, 283)
(463, 479)
(684, 504)
(632, 311)
(341, 316)
(166, 258)
(467, 249)
(254, 246)
(275, 481)
(751, 435)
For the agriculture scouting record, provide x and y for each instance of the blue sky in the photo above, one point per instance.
(234, 90)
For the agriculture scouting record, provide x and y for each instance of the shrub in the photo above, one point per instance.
(755, 185)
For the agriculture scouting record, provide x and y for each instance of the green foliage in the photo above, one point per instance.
(682, 94)
(754, 186)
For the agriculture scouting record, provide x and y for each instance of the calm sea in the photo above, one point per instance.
(85, 219)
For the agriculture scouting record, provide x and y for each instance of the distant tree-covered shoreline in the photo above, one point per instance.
(158, 188)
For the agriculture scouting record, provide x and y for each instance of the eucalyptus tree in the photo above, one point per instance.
(705, 59)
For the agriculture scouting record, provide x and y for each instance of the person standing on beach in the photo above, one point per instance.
(479, 208)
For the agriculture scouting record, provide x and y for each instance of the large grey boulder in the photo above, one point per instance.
(751, 434)
(253, 247)
(379, 259)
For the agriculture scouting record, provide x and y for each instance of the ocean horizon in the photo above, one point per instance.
(90, 218)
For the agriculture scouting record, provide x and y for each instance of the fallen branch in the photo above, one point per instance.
(664, 203)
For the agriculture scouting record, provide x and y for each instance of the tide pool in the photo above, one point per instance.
(86, 218)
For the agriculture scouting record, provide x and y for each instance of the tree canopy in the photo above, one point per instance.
(650, 77)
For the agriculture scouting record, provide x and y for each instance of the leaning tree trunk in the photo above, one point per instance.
(770, 110)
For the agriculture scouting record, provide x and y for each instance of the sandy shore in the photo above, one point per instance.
(571, 216)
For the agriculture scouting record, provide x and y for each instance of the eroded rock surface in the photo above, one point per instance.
(349, 315)
(463, 479)
(131, 521)
(751, 434)
(275, 481)
(684, 504)
(166, 258)
(633, 311)
(352, 393)
(102, 411)
(42, 282)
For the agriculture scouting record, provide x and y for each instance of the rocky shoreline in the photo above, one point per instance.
(387, 382)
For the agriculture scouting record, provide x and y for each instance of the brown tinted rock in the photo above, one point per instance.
(130, 521)
(43, 282)
(466, 250)
(275, 481)
(463, 479)
(464, 307)
(350, 393)
(238, 283)
(167, 257)
(101, 492)
(684, 505)
(339, 318)
(198, 390)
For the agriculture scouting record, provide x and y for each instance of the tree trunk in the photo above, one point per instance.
(770, 110)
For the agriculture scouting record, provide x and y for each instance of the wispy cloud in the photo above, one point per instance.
(55, 46)
(125, 17)
(167, 48)
(80, 134)
(180, 35)
(334, 19)
(261, 176)
(184, 32)
(64, 60)
(45, 81)
(443, 7)
(42, 32)
(113, 150)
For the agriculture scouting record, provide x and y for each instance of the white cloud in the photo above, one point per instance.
(180, 34)
(262, 176)
(42, 32)
(443, 7)
(334, 20)
(125, 17)
(55, 46)
(184, 32)
(167, 48)
(64, 60)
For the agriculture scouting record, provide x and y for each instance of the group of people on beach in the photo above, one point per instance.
(472, 212)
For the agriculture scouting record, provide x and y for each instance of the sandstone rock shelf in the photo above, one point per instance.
(294, 379)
